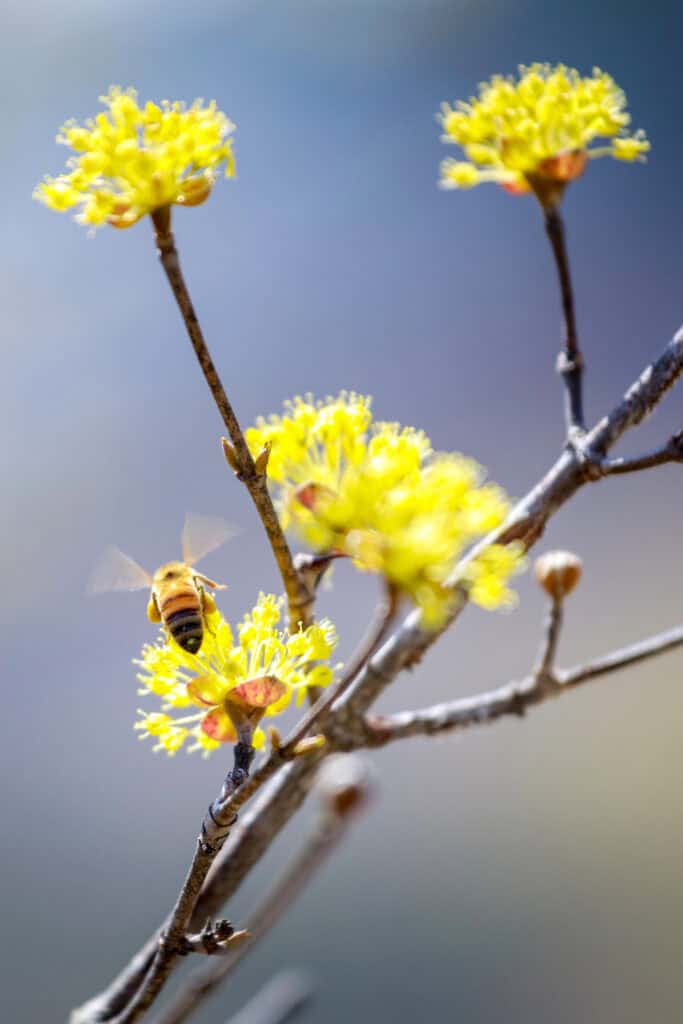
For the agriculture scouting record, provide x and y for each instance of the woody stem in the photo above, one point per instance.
(570, 360)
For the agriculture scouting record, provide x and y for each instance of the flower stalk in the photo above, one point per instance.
(570, 360)
(298, 598)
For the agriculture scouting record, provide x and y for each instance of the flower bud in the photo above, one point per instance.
(230, 455)
(195, 191)
(274, 738)
(558, 572)
(309, 745)
(344, 784)
(261, 461)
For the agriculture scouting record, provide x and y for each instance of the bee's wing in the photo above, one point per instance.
(202, 534)
(116, 571)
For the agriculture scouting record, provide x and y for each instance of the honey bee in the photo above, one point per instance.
(178, 597)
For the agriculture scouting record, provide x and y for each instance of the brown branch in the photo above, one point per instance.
(254, 478)
(512, 698)
(548, 651)
(343, 792)
(570, 360)
(641, 399)
(256, 830)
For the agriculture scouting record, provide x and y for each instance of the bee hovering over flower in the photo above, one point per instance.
(178, 596)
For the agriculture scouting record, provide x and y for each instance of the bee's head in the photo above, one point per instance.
(170, 572)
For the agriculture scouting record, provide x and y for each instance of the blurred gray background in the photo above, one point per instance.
(530, 871)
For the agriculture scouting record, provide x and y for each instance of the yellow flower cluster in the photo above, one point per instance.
(538, 126)
(379, 494)
(133, 160)
(230, 681)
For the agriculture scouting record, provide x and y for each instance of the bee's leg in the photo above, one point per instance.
(153, 613)
(208, 608)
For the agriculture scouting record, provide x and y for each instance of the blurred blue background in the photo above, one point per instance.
(531, 871)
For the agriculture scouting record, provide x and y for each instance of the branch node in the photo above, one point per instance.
(518, 703)
(569, 364)
(261, 461)
(308, 745)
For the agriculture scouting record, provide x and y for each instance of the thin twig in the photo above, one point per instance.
(570, 361)
(278, 1002)
(513, 698)
(672, 451)
(256, 830)
(548, 651)
(298, 598)
(341, 799)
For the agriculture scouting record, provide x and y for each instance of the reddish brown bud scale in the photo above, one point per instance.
(218, 726)
(309, 495)
(565, 166)
(261, 462)
(260, 692)
(230, 455)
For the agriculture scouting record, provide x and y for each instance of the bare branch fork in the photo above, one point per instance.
(215, 937)
(513, 698)
(344, 722)
(672, 451)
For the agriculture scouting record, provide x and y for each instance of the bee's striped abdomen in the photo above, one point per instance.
(182, 615)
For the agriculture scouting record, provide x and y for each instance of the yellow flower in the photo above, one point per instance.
(487, 576)
(379, 494)
(534, 132)
(233, 683)
(131, 160)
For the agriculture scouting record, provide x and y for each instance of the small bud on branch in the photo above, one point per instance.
(558, 572)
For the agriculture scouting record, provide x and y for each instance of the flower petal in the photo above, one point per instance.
(259, 692)
(312, 494)
(217, 725)
(207, 691)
